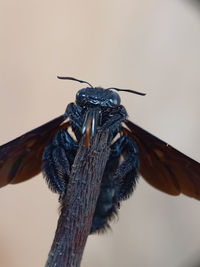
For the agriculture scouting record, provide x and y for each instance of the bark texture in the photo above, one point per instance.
(79, 203)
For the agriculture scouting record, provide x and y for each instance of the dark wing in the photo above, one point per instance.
(20, 159)
(163, 166)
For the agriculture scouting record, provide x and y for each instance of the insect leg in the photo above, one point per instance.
(126, 174)
(57, 159)
(76, 119)
(114, 119)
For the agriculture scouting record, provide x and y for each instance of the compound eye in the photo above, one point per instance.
(80, 96)
(115, 99)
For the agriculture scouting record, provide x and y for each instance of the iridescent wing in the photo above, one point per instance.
(163, 166)
(20, 159)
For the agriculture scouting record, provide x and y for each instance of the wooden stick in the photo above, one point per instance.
(79, 203)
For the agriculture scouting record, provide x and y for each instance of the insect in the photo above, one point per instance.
(51, 149)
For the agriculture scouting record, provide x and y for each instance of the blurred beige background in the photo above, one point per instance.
(151, 46)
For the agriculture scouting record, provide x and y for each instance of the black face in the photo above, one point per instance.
(97, 97)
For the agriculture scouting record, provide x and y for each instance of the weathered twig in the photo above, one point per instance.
(79, 203)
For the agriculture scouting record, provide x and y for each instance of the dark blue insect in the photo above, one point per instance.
(134, 151)
(95, 107)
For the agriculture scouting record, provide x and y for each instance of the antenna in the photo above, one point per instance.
(117, 89)
(127, 90)
(74, 79)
